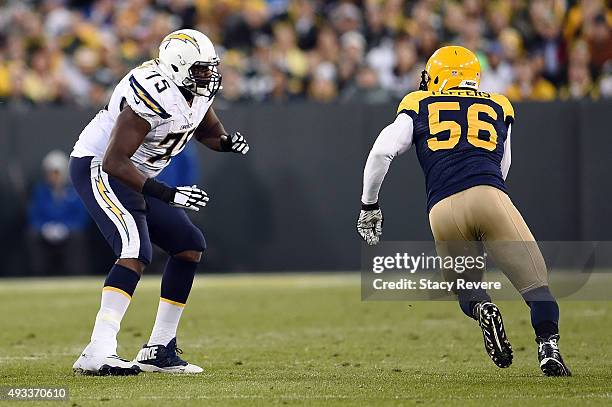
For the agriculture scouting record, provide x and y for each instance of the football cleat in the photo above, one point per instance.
(165, 359)
(495, 341)
(551, 362)
(109, 365)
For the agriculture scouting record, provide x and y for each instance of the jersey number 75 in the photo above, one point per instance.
(173, 144)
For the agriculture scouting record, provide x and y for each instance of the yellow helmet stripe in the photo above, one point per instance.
(182, 37)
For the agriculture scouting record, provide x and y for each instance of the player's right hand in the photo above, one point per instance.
(192, 198)
(236, 143)
(369, 224)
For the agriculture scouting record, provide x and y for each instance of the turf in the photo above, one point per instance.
(298, 339)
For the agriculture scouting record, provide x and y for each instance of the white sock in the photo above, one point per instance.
(113, 305)
(166, 322)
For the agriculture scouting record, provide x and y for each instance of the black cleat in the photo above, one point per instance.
(495, 341)
(164, 359)
(551, 362)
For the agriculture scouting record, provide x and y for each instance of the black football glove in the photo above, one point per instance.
(236, 143)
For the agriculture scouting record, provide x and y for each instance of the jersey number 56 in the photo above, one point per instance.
(475, 125)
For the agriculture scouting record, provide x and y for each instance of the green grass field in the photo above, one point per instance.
(298, 339)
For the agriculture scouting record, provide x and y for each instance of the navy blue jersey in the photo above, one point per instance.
(459, 138)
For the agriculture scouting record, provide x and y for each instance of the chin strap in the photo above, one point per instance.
(424, 80)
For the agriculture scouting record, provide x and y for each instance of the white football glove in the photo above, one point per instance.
(369, 224)
(192, 198)
(236, 143)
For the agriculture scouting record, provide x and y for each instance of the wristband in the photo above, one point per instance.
(158, 190)
(370, 207)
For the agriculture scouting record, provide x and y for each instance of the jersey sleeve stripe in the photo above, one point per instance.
(148, 100)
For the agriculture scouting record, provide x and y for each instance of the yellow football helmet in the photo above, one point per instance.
(451, 67)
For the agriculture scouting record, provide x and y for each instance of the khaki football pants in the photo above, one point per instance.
(486, 214)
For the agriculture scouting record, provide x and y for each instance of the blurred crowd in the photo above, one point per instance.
(75, 51)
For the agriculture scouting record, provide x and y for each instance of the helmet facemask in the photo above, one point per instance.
(425, 79)
(204, 79)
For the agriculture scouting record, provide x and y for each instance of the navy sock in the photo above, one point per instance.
(122, 279)
(469, 298)
(177, 280)
(544, 311)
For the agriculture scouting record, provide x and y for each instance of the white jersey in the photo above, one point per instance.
(155, 98)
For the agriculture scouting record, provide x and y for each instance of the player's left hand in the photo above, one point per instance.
(369, 224)
(192, 198)
(236, 143)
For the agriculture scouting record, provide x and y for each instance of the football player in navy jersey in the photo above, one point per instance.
(462, 140)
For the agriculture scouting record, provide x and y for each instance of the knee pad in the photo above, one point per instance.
(192, 239)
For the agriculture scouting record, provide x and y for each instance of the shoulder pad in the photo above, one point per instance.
(505, 105)
(410, 102)
(152, 92)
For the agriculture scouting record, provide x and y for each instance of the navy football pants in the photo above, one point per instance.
(129, 221)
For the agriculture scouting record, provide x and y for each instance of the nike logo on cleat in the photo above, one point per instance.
(147, 354)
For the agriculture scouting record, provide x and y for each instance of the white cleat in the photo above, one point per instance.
(104, 365)
(164, 359)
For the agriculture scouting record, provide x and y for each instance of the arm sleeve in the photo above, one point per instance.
(507, 158)
(392, 141)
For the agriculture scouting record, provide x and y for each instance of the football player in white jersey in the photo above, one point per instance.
(152, 114)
